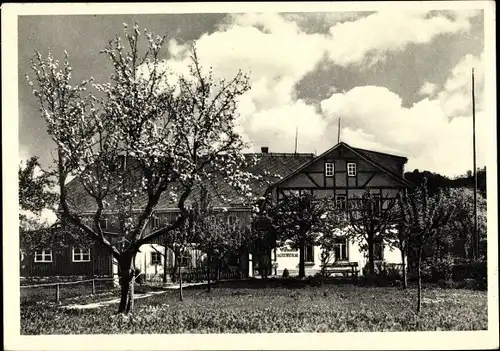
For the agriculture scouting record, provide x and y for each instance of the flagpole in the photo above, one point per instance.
(476, 234)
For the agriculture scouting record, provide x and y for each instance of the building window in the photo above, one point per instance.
(155, 222)
(155, 258)
(231, 221)
(81, 255)
(351, 169)
(43, 256)
(292, 192)
(378, 250)
(340, 249)
(340, 202)
(103, 223)
(377, 203)
(186, 259)
(309, 254)
(329, 169)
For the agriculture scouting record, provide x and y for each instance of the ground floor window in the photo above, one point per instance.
(155, 258)
(81, 255)
(309, 254)
(43, 256)
(378, 250)
(340, 249)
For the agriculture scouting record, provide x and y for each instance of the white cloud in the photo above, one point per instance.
(456, 97)
(428, 89)
(276, 128)
(278, 54)
(351, 42)
(373, 117)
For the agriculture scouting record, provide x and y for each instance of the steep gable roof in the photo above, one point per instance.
(270, 167)
(372, 157)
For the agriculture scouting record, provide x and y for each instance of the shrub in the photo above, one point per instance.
(286, 273)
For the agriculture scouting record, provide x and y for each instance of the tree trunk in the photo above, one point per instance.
(180, 279)
(371, 255)
(419, 296)
(403, 261)
(209, 258)
(126, 266)
(176, 265)
(164, 278)
(302, 266)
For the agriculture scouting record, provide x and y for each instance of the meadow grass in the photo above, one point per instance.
(270, 307)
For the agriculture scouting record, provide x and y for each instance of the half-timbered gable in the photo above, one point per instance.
(345, 171)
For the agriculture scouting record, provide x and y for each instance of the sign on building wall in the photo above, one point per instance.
(287, 252)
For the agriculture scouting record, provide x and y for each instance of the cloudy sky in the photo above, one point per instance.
(399, 80)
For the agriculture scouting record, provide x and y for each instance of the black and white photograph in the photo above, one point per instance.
(249, 176)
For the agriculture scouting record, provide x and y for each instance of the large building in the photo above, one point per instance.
(343, 172)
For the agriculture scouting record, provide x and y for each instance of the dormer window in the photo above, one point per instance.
(351, 169)
(329, 169)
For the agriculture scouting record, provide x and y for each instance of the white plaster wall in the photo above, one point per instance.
(289, 259)
(143, 260)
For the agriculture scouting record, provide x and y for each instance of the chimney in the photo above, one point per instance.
(264, 149)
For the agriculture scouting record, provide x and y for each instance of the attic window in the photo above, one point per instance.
(329, 169)
(351, 169)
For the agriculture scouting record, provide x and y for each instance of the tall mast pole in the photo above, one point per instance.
(476, 234)
(296, 137)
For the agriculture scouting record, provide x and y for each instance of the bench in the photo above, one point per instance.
(346, 268)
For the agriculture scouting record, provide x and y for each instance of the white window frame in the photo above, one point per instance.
(351, 171)
(307, 259)
(156, 262)
(340, 245)
(46, 254)
(329, 169)
(81, 254)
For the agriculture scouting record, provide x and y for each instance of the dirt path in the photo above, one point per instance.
(136, 297)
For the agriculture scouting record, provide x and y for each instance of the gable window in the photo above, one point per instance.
(104, 223)
(309, 254)
(81, 255)
(340, 249)
(351, 169)
(155, 258)
(329, 169)
(43, 256)
(340, 202)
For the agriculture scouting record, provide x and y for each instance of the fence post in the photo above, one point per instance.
(58, 294)
(93, 286)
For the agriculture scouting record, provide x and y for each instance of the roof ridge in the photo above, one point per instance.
(380, 153)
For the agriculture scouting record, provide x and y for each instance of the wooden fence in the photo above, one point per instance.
(56, 291)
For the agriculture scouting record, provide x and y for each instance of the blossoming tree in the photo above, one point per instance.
(146, 135)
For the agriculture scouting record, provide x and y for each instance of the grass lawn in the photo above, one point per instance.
(241, 307)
